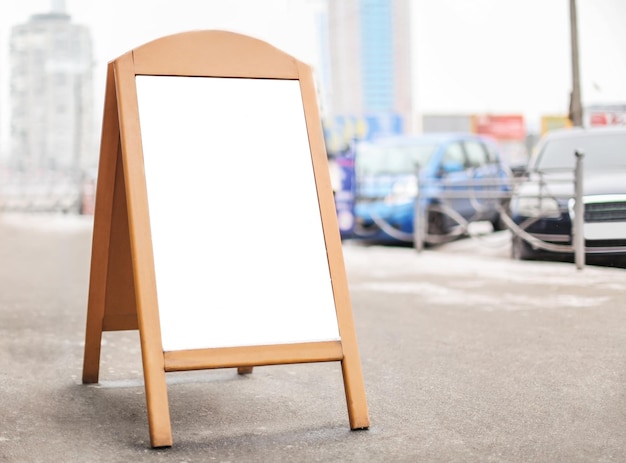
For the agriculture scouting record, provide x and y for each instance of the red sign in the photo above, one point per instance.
(501, 127)
(607, 118)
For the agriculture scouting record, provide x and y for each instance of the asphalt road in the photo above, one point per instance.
(467, 357)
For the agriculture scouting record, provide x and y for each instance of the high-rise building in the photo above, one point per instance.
(369, 43)
(51, 87)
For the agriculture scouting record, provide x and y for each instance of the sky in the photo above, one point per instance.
(515, 55)
(469, 56)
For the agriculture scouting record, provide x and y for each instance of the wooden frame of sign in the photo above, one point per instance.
(123, 281)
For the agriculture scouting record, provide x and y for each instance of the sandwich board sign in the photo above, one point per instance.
(215, 233)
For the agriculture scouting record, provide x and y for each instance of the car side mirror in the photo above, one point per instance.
(449, 167)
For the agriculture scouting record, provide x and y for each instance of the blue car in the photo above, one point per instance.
(426, 189)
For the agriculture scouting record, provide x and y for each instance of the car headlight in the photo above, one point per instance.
(403, 191)
(538, 206)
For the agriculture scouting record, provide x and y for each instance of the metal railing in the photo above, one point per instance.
(489, 194)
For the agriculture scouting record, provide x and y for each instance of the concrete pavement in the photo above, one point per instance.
(467, 357)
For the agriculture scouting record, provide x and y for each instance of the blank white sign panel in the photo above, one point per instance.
(239, 251)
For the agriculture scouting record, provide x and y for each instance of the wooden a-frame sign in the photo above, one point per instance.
(129, 286)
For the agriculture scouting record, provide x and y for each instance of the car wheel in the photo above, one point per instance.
(498, 223)
(436, 223)
(521, 250)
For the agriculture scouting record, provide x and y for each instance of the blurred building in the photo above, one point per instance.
(51, 87)
(369, 85)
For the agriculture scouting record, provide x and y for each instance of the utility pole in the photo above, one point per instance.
(575, 105)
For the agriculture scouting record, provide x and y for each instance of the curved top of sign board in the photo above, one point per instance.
(214, 53)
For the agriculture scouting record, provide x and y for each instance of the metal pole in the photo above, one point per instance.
(579, 212)
(419, 227)
(575, 110)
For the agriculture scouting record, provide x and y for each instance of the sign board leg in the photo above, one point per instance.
(101, 233)
(355, 394)
(158, 406)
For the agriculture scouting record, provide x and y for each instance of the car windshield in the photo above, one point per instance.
(601, 151)
(372, 159)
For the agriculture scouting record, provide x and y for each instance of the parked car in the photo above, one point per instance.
(425, 189)
(543, 204)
